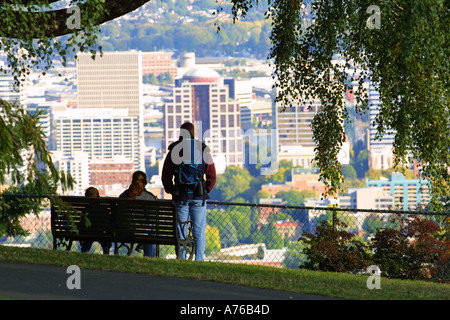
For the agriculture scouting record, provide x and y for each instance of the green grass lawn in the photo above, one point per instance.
(329, 284)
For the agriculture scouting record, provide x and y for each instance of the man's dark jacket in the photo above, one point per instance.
(169, 168)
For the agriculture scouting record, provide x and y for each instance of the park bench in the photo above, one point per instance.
(124, 222)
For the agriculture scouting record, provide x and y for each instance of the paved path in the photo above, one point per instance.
(39, 282)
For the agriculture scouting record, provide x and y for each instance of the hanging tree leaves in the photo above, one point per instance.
(400, 45)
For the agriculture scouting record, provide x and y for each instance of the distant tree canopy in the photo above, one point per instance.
(320, 49)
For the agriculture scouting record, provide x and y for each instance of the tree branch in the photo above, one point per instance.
(59, 26)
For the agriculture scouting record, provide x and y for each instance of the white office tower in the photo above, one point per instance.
(242, 92)
(101, 133)
(380, 150)
(114, 81)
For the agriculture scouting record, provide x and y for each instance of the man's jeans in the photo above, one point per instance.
(195, 211)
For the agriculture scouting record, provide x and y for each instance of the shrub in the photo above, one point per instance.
(392, 254)
(420, 251)
(331, 249)
(416, 253)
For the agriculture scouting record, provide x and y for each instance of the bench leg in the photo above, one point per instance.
(121, 244)
(62, 242)
(186, 245)
(130, 249)
(70, 245)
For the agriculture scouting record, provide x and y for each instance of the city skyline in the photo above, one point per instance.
(185, 104)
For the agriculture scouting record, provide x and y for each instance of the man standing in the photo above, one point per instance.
(189, 175)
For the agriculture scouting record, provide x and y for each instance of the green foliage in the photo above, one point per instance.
(348, 171)
(284, 171)
(199, 35)
(242, 222)
(23, 147)
(227, 230)
(26, 165)
(294, 255)
(376, 174)
(163, 79)
(261, 194)
(272, 238)
(212, 239)
(296, 197)
(12, 209)
(372, 224)
(331, 249)
(234, 182)
(28, 42)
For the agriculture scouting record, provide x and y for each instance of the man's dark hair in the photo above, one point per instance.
(189, 127)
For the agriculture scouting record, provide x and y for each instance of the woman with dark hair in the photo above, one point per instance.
(137, 191)
(137, 188)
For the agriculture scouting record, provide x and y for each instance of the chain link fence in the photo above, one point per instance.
(257, 234)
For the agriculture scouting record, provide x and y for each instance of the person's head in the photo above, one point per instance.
(139, 176)
(91, 192)
(189, 127)
(138, 183)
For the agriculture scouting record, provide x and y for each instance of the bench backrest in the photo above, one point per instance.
(115, 219)
(146, 221)
(70, 221)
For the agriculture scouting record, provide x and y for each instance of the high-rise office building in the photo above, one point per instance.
(77, 165)
(294, 124)
(100, 133)
(374, 108)
(296, 142)
(202, 98)
(114, 81)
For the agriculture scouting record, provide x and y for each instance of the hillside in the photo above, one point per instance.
(181, 27)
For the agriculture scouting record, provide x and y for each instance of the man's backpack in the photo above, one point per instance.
(189, 174)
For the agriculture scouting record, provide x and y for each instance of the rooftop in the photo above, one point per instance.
(201, 74)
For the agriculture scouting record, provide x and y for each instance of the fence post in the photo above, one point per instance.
(334, 220)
